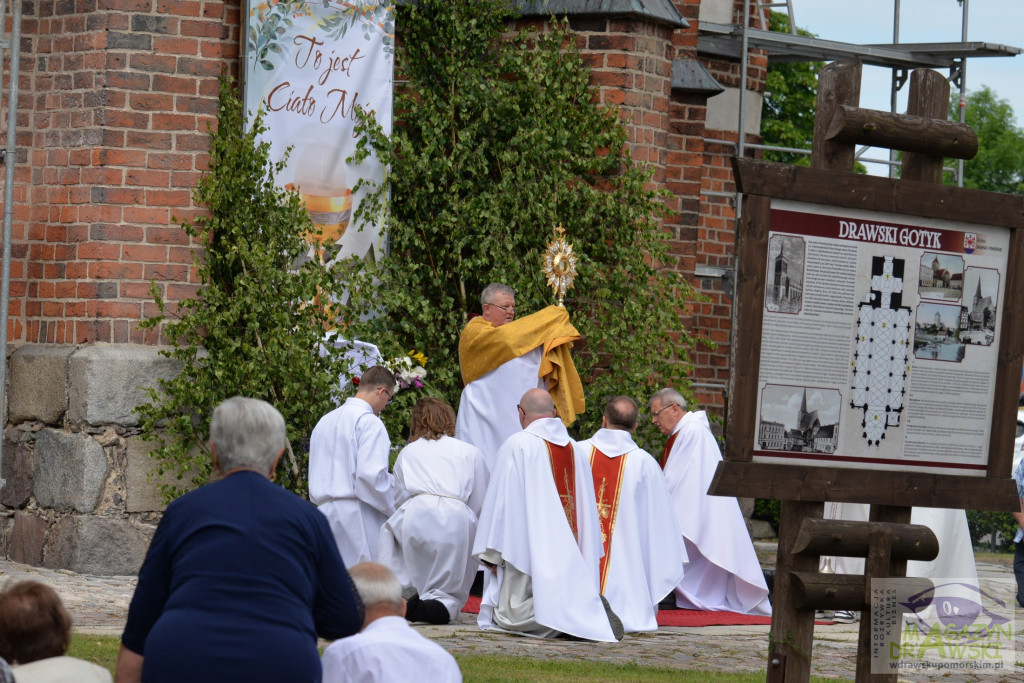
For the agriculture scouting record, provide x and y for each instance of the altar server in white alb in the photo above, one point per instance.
(348, 467)
(500, 357)
(387, 649)
(440, 485)
(643, 546)
(539, 534)
(723, 573)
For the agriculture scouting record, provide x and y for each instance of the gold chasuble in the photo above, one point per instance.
(608, 485)
(484, 347)
(563, 469)
(667, 449)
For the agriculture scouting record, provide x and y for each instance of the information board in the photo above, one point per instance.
(879, 340)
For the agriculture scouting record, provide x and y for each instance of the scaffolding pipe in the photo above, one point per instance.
(894, 85)
(963, 90)
(10, 158)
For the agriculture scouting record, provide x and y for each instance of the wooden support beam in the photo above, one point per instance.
(900, 131)
(813, 590)
(852, 539)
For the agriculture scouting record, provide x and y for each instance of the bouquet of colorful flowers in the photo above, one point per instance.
(410, 370)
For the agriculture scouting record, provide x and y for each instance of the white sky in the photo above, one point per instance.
(924, 21)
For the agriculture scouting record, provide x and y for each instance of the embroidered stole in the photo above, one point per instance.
(668, 449)
(608, 486)
(563, 469)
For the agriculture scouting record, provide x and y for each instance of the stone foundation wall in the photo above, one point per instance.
(81, 491)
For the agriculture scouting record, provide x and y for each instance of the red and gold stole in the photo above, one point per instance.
(668, 449)
(607, 473)
(563, 469)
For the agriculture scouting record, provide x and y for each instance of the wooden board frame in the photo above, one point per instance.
(738, 475)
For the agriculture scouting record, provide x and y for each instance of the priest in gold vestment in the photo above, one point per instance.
(501, 358)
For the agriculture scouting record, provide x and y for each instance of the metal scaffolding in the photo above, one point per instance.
(737, 40)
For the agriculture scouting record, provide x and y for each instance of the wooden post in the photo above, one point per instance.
(838, 84)
(928, 98)
(879, 564)
(792, 633)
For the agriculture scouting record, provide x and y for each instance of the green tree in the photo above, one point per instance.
(790, 99)
(252, 328)
(999, 164)
(500, 140)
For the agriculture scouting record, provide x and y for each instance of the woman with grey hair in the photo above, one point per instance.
(241, 576)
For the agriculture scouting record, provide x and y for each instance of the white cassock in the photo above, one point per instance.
(388, 649)
(439, 488)
(349, 479)
(644, 560)
(525, 531)
(956, 552)
(723, 573)
(487, 409)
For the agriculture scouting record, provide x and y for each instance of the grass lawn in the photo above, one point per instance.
(102, 650)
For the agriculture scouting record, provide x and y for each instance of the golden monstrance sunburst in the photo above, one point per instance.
(559, 264)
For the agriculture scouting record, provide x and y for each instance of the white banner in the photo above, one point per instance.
(309, 65)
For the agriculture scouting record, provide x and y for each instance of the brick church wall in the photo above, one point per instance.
(117, 96)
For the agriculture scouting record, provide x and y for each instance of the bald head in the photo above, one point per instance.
(535, 405)
(620, 413)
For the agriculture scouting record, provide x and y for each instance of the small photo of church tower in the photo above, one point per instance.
(978, 313)
(784, 288)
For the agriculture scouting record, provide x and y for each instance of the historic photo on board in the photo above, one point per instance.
(978, 313)
(785, 287)
(799, 419)
(942, 277)
(937, 333)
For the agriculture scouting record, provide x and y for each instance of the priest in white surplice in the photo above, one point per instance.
(501, 357)
(348, 468)
(439, 487)
(539, 534)
(643, 546)
(723, 573)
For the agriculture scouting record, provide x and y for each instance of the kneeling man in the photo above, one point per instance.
(723, 573)
(539, 534)
(643, 546)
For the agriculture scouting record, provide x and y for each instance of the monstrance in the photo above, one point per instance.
(559, 264)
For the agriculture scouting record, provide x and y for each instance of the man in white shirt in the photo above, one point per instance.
(539, 534)
(348, 467)
(643, 546)
(723, 573)
(388, 648)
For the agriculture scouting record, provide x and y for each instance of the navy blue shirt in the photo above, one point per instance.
(240, 579)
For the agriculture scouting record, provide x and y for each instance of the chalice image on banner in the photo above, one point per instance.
(320, 180)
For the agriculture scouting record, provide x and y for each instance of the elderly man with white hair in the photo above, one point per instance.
(387, 649)
(241, 576)
(723, 573)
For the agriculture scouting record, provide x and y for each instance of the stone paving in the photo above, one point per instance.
(99, 604)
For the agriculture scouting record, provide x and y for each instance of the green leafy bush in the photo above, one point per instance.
(252, 328)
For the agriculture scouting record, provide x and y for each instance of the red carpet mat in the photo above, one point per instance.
(674, 617)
